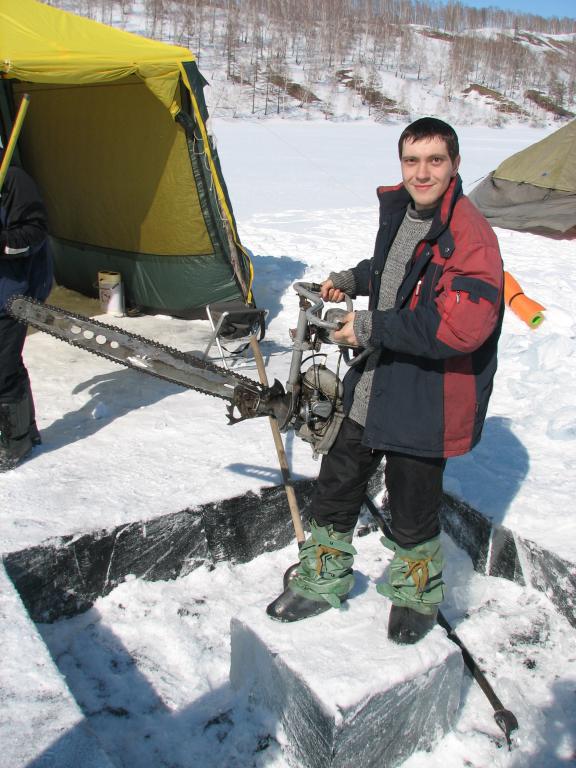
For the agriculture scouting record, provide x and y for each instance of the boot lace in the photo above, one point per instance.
(418, 570)
(322, 550)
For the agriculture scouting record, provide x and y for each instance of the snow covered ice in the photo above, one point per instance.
(149, 663)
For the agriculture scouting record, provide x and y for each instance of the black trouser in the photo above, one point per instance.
(414, 486)
(14, 382)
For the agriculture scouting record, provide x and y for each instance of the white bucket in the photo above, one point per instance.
(111, 293)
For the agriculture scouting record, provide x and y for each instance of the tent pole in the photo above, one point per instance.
(14, 134)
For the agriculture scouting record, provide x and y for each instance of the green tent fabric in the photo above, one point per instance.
(534, 190)
(116, 138)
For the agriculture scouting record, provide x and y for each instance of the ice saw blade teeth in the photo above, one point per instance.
(118, 345)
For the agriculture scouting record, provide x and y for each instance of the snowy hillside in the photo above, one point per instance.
(337, 61)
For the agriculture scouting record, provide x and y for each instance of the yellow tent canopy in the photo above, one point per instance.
(116, 139)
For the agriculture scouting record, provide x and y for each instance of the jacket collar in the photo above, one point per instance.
(396, 199)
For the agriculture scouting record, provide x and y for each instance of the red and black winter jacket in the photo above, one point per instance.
(438, 344)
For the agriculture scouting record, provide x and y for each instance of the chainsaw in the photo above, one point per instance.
(311, 403)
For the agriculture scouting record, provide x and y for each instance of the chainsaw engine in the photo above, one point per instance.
(319, 412)
(312, 405)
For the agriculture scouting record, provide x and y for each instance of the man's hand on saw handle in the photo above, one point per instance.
(345, 335)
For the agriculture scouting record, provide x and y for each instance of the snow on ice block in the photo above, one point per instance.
(41, 725)
(343, 693)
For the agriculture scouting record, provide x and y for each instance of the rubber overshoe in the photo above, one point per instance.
(415, 588)
(323, 578)
(290, 606)
(407, 626)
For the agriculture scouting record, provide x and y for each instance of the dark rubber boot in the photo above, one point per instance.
(406, 626)
(293, 607)
(321, 579)
(415, 588)
(12, 455)
(15, 442)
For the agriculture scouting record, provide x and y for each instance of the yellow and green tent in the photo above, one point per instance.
(115, 137)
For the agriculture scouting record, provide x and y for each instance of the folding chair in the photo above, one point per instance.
(233, 321)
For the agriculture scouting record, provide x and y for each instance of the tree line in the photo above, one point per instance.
(258, 40)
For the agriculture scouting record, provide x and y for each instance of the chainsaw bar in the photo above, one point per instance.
(147, 356)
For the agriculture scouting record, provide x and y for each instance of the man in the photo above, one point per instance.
(435, 286)
(25, 268)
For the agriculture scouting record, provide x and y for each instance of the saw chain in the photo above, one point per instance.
(249, 397)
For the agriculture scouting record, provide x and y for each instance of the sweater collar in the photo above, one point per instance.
(396, 200)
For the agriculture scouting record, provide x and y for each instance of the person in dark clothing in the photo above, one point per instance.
(435, 287)
(26, 269)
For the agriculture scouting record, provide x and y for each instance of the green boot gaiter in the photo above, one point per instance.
(415, 576)
(325, 570)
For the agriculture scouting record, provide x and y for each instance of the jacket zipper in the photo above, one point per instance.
(414, 300)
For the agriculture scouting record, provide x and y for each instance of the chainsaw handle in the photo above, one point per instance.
(351, 361)
(311, 291)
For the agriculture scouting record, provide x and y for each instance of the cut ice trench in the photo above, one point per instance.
(146, 655)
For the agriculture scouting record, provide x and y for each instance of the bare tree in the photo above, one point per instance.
(259, 39)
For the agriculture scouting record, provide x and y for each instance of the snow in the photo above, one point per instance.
(149, 664)
(120, 446)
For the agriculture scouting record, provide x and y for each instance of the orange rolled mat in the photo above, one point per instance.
(526, 309)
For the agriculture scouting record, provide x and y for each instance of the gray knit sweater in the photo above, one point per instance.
(414, 227)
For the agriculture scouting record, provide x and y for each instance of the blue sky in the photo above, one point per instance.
(550, 8)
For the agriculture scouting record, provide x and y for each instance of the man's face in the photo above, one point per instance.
(427, 170)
